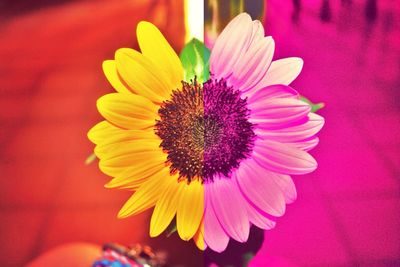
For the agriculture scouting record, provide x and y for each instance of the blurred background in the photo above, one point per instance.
(347, 212)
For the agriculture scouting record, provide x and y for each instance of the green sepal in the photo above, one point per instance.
(91, 158)
(195, 60)
(314, 106)
(171, 228)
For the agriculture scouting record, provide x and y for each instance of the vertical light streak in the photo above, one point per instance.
(194, 19)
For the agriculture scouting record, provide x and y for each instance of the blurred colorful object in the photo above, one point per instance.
(110, 255)
(197, 151)
(115, 255)
(219, 12)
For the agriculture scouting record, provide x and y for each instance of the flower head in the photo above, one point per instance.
(218, 154)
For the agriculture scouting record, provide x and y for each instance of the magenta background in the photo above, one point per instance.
(347, 212)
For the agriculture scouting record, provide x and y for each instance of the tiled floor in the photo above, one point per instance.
(347, 212)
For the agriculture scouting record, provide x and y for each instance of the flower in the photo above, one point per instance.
(218, 155)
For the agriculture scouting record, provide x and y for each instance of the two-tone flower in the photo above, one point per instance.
(218, 155)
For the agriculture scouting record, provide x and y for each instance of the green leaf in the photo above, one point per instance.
(246, 258)
(314, 106)
(171, 228)
(92, 157)
(195, 60)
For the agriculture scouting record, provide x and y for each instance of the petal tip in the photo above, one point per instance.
(145, 24)
(122, 214)
(243, 236)
(153, 232)
(106, 63)
(184, 236)
(280, 211)
(300, 63)
(243, 15)
(108, 185)
(124, 52)
(101, 102)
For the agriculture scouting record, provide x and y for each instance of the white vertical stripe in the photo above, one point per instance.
(194, 19)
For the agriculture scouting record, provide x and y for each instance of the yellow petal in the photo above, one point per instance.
(132, 177)
(142, 75)
(147, 194)
(105, 133)
(155, 47)
(131, 185)
(198, 238)
(117, 165)
(108, 151)
(165, 209)
(110, 70)
(190, 209)
(128, 110)
(101, 131)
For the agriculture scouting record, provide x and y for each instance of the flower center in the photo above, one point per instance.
(205, 130)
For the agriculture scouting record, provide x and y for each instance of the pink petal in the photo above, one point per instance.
(214, 234)
(258, 219)
(257, 185)
(283, 158)
(307, 144)
(258, 32)
(293, 133)
(272, 91)
(286, 185)
(230, 208)
(278, 112)
(230, 45)
(253, 65)
(282, 71)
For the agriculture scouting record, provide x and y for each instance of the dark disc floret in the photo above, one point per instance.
(205, 130)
